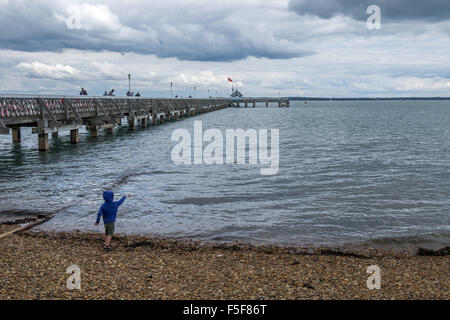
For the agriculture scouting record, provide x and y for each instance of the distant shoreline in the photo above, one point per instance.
(366, 99)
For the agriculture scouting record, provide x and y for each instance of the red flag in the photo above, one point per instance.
(229, 79)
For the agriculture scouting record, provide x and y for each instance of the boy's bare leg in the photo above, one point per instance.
(107, 240)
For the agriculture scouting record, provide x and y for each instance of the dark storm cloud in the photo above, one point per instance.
(186, 35)
(430, 10)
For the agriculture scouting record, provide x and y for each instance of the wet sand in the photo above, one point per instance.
(33, 266)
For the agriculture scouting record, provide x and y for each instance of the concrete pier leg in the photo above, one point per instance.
(155, 120)
(181, 114)
(43, 142)
(176, 116)
(131, 124)
(94, 132)
(16, 136)
(144, 123)
(74, 136)
(161, 119)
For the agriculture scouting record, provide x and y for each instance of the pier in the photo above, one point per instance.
(52, 114)
(246, 102)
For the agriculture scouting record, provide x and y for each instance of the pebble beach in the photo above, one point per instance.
(33, 266)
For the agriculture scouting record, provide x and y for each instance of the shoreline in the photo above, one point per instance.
(367, 247)
(34, 263)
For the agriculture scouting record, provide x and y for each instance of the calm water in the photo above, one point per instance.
(350, 172)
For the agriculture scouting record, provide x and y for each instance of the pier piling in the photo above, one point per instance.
(131, 124)
(94, 132)
(43, 141)
(74, 136)
(16, 136)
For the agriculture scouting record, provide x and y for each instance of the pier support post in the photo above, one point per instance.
(169, 117)
(110, 131)
(131, 124)
(176, 116)
(144, 122)
(43, 141)
(94, 132)
(267, 104)
(55, 134)
(74, 136)
(161, 119)
(155, 120)
(16, 136)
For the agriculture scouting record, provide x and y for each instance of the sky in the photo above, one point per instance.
(315, 48)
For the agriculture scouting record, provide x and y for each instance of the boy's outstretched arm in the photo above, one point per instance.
(121, 201)
(99, 215)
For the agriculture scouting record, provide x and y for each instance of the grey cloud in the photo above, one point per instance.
(42, 26)
(430, 10)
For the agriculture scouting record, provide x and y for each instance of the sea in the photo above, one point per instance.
(369, 173)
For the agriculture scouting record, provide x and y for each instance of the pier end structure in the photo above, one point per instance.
(52, 114)
(245, 102)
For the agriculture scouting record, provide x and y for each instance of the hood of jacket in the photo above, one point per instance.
(108, 196)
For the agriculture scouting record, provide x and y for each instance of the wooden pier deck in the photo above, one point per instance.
(51, 114)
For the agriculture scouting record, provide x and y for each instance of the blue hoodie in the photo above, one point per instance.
(109, 209)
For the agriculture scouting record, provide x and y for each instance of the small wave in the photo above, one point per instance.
(133, 173)
(430, 241)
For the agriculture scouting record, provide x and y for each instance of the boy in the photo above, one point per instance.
(109, 212)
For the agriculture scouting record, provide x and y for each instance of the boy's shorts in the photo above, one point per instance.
(109, 229)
